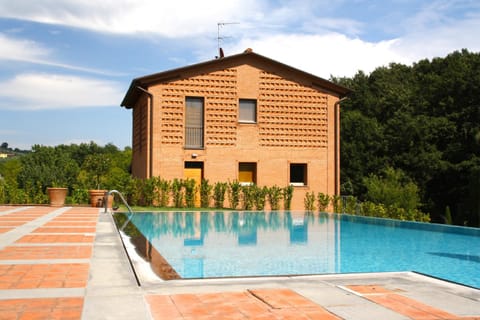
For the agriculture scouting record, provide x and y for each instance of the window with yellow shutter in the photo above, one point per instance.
(247, 173)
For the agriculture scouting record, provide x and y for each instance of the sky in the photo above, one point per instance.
(65, 65)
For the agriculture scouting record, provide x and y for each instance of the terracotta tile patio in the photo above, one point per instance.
(45, 252)
(43, 270)
(401, 304)
(57, 238)
(31, 276)
(5, 229)
(46, 308)
(65, 230)
(251, 304)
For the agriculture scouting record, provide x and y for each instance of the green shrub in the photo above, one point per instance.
(79, 196)
(219, 194)
(148, 191)
(234, 193)
(322, 201)
(260, 197)
(274, 196)
(162, 188)
(190, 190)
(337, 204)
(350, 205)
(177, 193)
(205, 193)
(248, 192)
(287, 193)
(3, 192)
(393, 189)
(371, 209)
(309, 202)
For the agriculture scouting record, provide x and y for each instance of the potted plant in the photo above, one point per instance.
(57, 196)
(60, 180)
(52, 170)
(97, 166)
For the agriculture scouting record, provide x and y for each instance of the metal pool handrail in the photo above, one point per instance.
(130, 211)
(107, 194)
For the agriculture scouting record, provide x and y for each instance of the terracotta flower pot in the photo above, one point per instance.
(97, 198)
(57, 196)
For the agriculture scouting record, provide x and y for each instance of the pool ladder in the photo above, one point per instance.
(130, 211)
(108, 193)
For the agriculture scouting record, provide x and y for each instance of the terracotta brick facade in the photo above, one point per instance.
(296, 123)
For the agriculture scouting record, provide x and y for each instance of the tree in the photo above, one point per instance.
(96, 166)
(48, 166)
(362, 145)
(423, 119)
(393, 189)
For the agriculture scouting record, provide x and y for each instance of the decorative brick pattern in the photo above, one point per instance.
(291, 115)
(140, 121)
(220, 93)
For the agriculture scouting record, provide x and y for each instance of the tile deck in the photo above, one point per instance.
(251, 304)
(401, 304)
(67, 263)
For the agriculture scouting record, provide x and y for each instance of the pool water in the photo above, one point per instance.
(229, 244)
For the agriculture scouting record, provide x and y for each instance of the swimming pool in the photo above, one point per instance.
(233, 244)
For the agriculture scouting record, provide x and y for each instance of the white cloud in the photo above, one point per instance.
(433, 32)
(24, 50)
(439, 40)
(346, 26)
(167, 18)
(324, 55)
(21, 49)
(49, 91)
(317, 36)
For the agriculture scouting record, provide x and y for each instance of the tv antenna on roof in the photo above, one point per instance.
(219, 37)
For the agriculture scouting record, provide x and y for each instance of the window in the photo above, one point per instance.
(298, 174)
(247, 173)
(194, 123)
(248, 111)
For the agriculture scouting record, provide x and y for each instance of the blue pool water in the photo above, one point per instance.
(227, 244)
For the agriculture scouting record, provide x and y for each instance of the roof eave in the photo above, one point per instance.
(145, 81)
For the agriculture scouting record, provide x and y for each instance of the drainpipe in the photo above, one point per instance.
(336, 108)
(150, 142)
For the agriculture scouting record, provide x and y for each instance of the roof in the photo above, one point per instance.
(247, 57)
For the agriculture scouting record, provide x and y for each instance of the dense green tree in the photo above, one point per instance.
(423, 119)
(362, 145)
(392, 189)
(48, 166)
(25, 178)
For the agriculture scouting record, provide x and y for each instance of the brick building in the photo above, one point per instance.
(243, 117)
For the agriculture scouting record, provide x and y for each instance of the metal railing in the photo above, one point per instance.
(108, 193)
(194, 137)
(130, 211)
